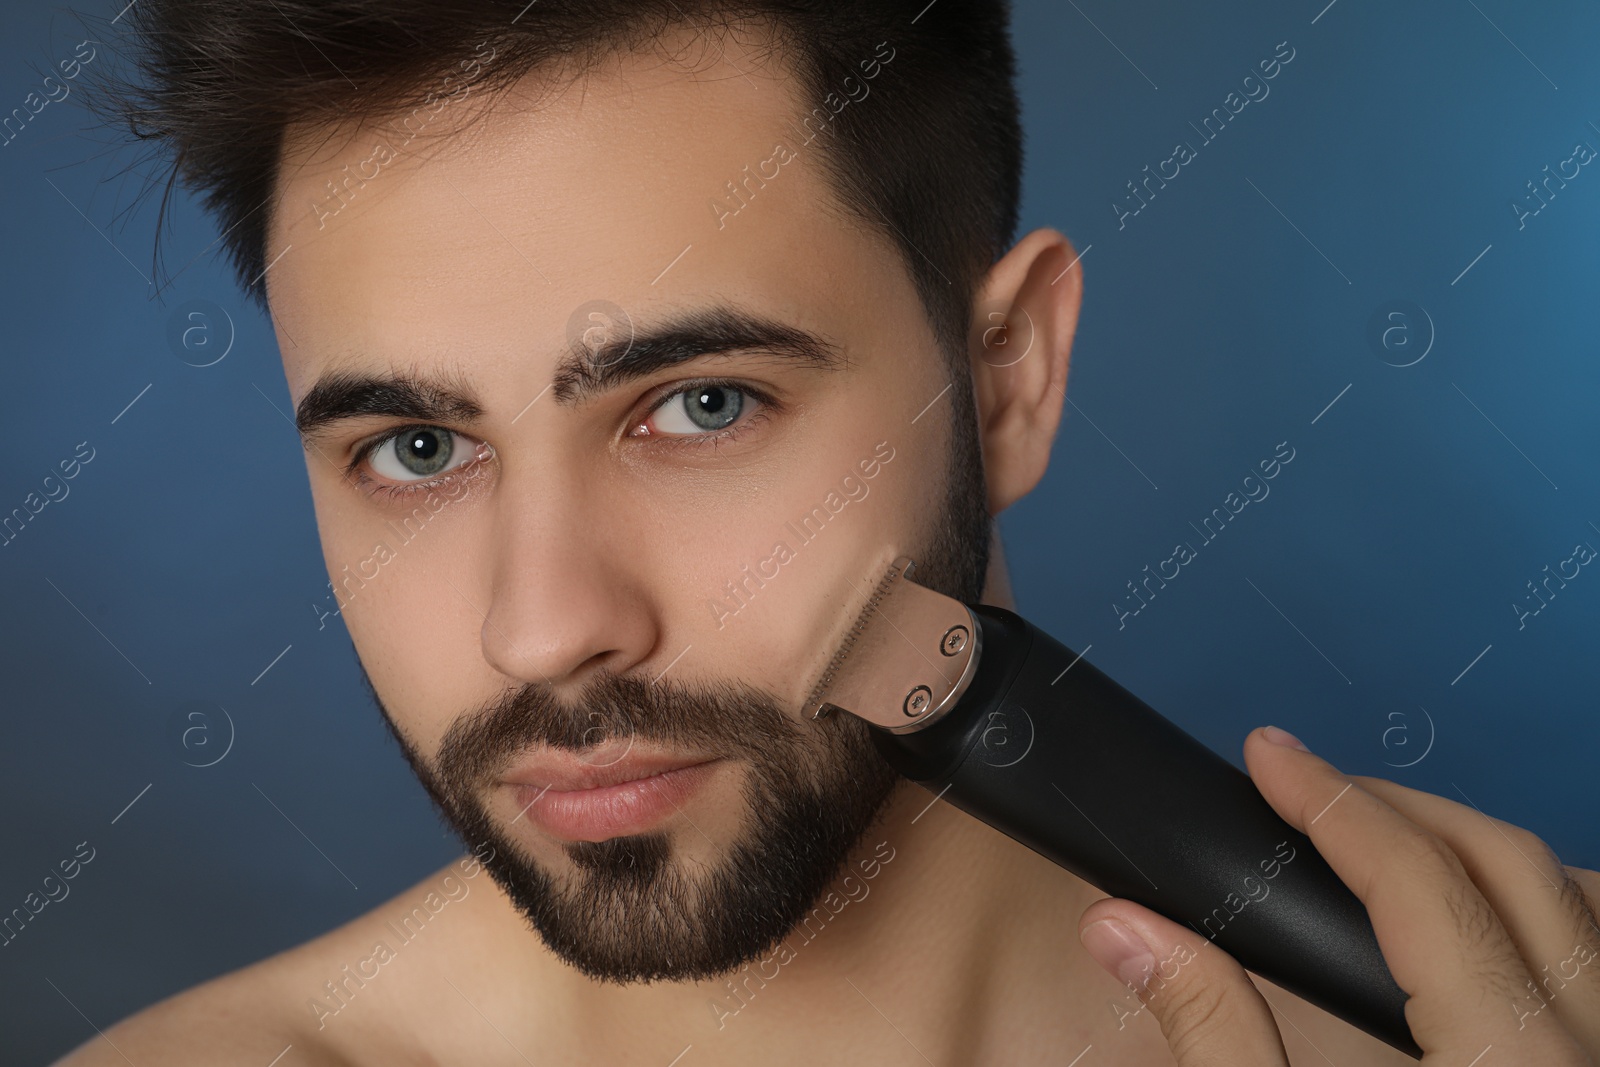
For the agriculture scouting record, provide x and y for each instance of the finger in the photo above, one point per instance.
(1545, 909)
(1210, 1013)
(1443, 943)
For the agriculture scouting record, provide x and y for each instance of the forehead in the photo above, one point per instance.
(486, 222)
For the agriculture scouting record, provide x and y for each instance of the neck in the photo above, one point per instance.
(997, 582)
(933, 924)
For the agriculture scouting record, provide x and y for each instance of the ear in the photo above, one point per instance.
(1024, 317)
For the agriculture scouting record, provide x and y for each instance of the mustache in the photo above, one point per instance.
(715, 719)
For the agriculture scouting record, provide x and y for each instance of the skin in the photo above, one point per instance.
(581, 545)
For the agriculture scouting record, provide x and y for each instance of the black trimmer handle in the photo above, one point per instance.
(1050, 751)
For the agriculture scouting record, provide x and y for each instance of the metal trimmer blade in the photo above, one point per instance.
(906, 659)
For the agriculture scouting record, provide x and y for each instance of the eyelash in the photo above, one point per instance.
(715, 437)
(356, 470)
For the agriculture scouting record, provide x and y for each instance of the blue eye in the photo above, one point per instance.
(702, 409)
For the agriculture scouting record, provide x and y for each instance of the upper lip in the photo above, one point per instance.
(561, 772)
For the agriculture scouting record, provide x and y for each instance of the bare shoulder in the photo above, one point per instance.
(248, 1015)
(339, 1000)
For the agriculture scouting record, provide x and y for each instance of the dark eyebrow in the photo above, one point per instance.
(582, 373)
(342, 395)
(585, 371)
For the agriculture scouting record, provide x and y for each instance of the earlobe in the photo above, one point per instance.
(1020, 344)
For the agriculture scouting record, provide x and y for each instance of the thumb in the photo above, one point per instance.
(1209, 1011)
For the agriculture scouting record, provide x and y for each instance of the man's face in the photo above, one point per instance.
(629, 536)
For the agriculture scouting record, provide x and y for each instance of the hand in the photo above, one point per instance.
(1493, 939)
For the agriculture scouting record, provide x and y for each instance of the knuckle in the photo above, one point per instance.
(1432, 855)
(1586, 935)
(1531, 845)
(1194, 1011)
(1494, 963)
(1476, 923)
(1575, 899)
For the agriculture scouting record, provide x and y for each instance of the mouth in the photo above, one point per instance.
(576, 801)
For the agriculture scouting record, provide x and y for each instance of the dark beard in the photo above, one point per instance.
(812, 790)
(630, 913)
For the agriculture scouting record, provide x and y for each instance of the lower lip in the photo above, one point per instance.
(612, 810)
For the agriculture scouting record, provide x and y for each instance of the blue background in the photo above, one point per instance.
(1366, 604)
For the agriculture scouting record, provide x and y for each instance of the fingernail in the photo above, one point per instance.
(1284, 738)
(1118, 949)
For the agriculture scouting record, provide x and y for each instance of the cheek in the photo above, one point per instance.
(419, 641)
(765, 585)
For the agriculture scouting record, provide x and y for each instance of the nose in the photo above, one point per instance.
(563, 600)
